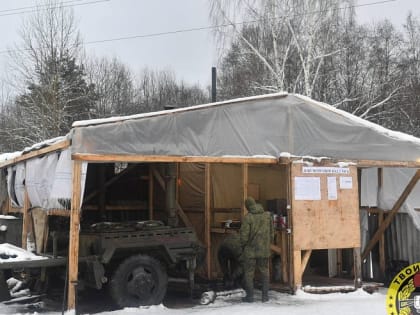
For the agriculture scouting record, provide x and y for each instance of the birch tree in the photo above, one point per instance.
(290, 38)
(318, 49)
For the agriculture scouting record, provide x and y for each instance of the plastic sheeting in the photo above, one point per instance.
(369, 187)
(39, 177)
(20, 184)
(62, 180)
(11, 174)
(403, 240)
(47, 179)
(394, 182)
(249, 127)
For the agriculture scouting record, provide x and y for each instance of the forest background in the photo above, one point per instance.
(317, 48)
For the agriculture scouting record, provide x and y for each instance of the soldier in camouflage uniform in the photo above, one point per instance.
(229, 254)
(256, 235)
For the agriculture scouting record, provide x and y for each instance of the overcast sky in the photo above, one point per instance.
(189, 54)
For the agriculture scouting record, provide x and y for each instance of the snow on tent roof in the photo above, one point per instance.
(12, 155)
(265, 125)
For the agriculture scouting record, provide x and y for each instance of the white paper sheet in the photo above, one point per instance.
(332, 187)
(346, 182)
(307, 188)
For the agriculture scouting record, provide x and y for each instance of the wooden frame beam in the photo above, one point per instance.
(357, 269)
(54, 147)
(391, 214)
(25, 220)
(358, 163)
(111, 158)
(297, 270)
(73, 256)
(207, 216)
(151, 193)
(381, 245)
(244, 189)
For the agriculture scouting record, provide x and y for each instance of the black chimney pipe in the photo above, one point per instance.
(213, 84)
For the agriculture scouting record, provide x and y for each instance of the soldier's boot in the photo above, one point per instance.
(265, 286)
(249, 295)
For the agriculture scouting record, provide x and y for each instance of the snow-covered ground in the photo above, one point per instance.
(358, 302)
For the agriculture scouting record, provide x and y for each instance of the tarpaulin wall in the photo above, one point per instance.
(226, 190)
(47, 180)
(3, 189)
(251, 127)
(394, 182)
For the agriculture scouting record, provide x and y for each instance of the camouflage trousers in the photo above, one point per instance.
(249, 266)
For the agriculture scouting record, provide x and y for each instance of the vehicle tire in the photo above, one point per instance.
(139, 280)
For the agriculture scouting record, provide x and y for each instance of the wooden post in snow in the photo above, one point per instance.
(207, 216)
(357, 267)
(73, 256)
(151, 193)
(25, 220)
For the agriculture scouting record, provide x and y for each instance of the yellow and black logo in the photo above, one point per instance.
(403, 296)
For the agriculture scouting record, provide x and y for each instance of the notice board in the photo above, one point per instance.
(325, 207)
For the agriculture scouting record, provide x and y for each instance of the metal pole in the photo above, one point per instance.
(213, 84)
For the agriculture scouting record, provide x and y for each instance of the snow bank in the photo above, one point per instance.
(358, 302)
(9, 252)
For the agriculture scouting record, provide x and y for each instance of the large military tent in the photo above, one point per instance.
(311, 164)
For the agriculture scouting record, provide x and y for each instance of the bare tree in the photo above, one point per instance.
(285, 36)
(48, 34)
(114, 86)
(317, 48)
(52, 91)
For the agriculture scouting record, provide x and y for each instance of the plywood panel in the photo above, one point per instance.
(324, 223)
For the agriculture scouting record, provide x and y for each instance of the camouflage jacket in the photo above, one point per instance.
(256, 231)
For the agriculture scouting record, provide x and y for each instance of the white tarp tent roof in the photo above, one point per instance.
(257, 126)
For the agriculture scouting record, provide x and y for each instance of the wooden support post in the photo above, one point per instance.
(207, 216)
(381, 245)
(183, 216)
(102, 192)
(357, 267)
(159, 178)
(297, 270)
(25, 220)
(151, 183)
(339, 262)
(380, 177)
(289, 236)
(391, 214)
(9, 204)
(244, 189)
(73, 263)
(284, 257)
